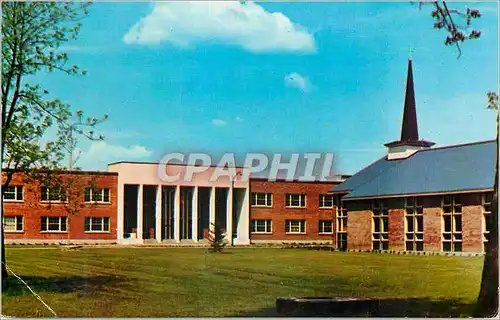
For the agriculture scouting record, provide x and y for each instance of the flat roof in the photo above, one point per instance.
(61, 171)
(170, 164)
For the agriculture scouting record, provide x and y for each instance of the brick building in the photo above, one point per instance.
(130, 204)
(77, 206)
(418, 198)
(292, 211)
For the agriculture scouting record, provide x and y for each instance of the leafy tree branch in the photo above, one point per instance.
(447, 19)
(38, 131)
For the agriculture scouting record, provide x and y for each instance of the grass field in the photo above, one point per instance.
(126, 282)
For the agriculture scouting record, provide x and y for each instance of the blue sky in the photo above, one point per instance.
(273, 77)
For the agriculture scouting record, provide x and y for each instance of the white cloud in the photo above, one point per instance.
(239, 119)
(296, 80)
(100, 154)
(218, 122)
(247, 25)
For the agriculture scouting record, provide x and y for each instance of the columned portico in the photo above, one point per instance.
(153, 210)
(229, 216)
(177, 214)
(194, 222)
(158, 215)
(212, 209)
(139, 212)
(243, 218)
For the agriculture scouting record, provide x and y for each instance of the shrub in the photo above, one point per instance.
(216, 239)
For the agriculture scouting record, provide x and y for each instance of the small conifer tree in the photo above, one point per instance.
(216, 239)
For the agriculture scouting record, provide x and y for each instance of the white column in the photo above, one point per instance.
(194, 226)
(139, 211)
(244, 220)
(119, 208)
(211, 227)
(177, 214)
(229, 216)
(158, 222)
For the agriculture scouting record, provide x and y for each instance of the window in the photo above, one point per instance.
(57, 224)
(414, 224)
(96, 195)
(325, 226)
(295, 200)
(56, 194)
(13, 193)
(13, 223)
(486, 201)
(260, 199)
(380, 225)
(452, 224)
(326, 200)
(262, 226)
(341, 223)
(295, 226)
(96, 224)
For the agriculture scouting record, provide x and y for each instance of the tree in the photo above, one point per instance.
(216, 239)
(487, 301)
(446, 18)
(70, 188)
(457, 33)
(32, 35)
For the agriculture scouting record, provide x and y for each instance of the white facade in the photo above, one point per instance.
(233, 191)
(403, 151)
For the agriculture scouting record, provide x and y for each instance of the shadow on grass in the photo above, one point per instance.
(424, 307)
(417, 307)
(225, 251)
(83, 285)
(265, 312)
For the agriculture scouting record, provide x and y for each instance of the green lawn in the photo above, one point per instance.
(152, 282)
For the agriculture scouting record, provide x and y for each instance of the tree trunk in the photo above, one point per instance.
(4, 269)
(2, 235)
(487, 301)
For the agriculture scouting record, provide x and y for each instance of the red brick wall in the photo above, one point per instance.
(359, 220)
(396, 229)
(432, 229)
(278, 213)
(32, 209)
(472, 228)
(359, 234)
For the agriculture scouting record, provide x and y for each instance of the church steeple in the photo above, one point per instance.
(409, 129)
(409, 142)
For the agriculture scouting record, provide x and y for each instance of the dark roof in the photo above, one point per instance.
(417, 143)
(169, 163)
(364, 175)
(464, 167)
(328, 180)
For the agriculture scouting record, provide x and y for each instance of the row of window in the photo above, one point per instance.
(451, 224)
(16, 193)
(294, 200)
(56, 224)
(291, 226)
